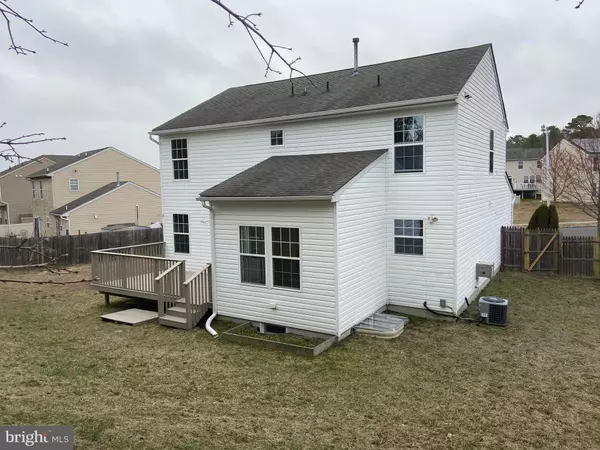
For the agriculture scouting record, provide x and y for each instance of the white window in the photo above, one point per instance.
(41, 190)
(276, 137)
(408, 236)
(73, 184)
(252, 255)
(520, 165)
(181, 233)
(539, 164)
(47, 221)
(408, 144)
(286, 257)
(33, 188)
(179, 155)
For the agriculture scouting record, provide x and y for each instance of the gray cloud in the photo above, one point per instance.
(132, 65)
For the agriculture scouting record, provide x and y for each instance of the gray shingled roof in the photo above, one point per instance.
(320, 175)
(56, 158)
(589, 145)
(524, 154)
(87, 198)
(64, 162)
(415, 78)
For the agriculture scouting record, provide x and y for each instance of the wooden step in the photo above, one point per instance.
(173, 321)
(178, 311)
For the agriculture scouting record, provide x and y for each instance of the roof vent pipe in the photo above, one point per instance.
(355, 40)
(327, 87)
(118, 179)
(378, 80)
(292, 89)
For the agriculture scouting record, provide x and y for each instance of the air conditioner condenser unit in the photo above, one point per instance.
(493, 310)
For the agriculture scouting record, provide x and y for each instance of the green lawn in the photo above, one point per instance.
(440, 385)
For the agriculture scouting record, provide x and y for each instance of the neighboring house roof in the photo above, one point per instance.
(588, 145)
(315, 176)
(57, 159)
(418, 78)
(94, 195)
(524, 154)
(64, 162)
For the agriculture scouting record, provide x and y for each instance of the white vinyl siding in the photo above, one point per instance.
(313, 307)
(484, 200)
(362, 243)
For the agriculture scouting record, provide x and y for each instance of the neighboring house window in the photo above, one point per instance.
(276, 137)
(286, 257)
(408, 144)
(47, 221)
(33, 188)
(179, 154)
(538, 178)
(491, 151)
(539, 164)
(181, 233)
(41, 190)
(252, 255)
(526, 179)
(520, 165)
(73, 184)
(408, 237)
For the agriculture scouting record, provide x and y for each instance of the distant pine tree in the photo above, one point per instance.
(540, 218)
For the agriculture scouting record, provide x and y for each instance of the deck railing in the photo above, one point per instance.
(156, 249)
(198, 295)
(170, 287)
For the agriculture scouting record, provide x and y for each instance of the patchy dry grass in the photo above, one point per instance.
(440, 385)
(567, 212)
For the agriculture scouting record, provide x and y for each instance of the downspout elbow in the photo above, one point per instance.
(152, 139)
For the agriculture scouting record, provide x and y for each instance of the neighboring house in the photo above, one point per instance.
(15, 188)
(89, 183)
(575, 171)
(524, 167)
(382, 188)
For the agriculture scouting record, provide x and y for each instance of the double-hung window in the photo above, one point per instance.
(33, 188)
(520, 165)
(41, 190)
(179, 155)
(181, 233)
(539, 164)
(491, 151)
(408, 144)
(252, 255)
(73, 184)
(408, 236)
(286, 257)
(276, 138)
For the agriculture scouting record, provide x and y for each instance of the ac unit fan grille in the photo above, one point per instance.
(497, 314)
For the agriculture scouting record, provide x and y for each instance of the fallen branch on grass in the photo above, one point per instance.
(7, 280)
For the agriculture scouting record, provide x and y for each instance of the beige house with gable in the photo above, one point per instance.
(94, 189)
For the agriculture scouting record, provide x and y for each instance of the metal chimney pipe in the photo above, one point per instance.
(355, 40)
(118, 179)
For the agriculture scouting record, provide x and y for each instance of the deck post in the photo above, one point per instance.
(596, 253)
(106, 299)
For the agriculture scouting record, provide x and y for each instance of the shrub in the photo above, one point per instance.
(544, 217)
(553, 222)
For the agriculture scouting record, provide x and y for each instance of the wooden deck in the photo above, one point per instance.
(142, 271)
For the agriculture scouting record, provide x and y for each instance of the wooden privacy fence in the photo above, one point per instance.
(72, 249)
(548, 251)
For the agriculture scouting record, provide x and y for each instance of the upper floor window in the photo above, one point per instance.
(539, 164)
(179, 155)
(408, 236)
(277, 137)
(408, 144)
(33, 188)
(181, 233)
(73, 184)
(491, 151)
(41, 190)
(520, 165)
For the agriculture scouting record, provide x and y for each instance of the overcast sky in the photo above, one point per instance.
(131, 65)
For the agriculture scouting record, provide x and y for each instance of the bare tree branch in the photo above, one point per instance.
(8, 280)
(579, 4)
(9, 146)
(10, 13)
(256, 36)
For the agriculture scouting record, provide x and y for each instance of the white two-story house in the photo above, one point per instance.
(320, 202)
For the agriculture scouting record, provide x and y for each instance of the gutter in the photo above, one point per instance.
(307, 116)
(288, 198)
(208, 323)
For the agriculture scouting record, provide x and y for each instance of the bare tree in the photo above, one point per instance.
(9, 147)
(563, 167)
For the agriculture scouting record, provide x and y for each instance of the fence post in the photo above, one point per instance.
(597, 256)
(526, 250)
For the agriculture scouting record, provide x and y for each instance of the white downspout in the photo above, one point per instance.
(214, 278)
(152, 139)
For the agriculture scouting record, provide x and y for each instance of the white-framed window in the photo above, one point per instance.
(408, 236)
(538, 178)
(252, 255)
(181, 233)
(179, 155)
(286, 257)
(491, 151)
(74, 184)
(408, 144)
(276, 138)
(539, 164)
(520, 165)
(33, 188)
(47, 221)
(41, 190)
